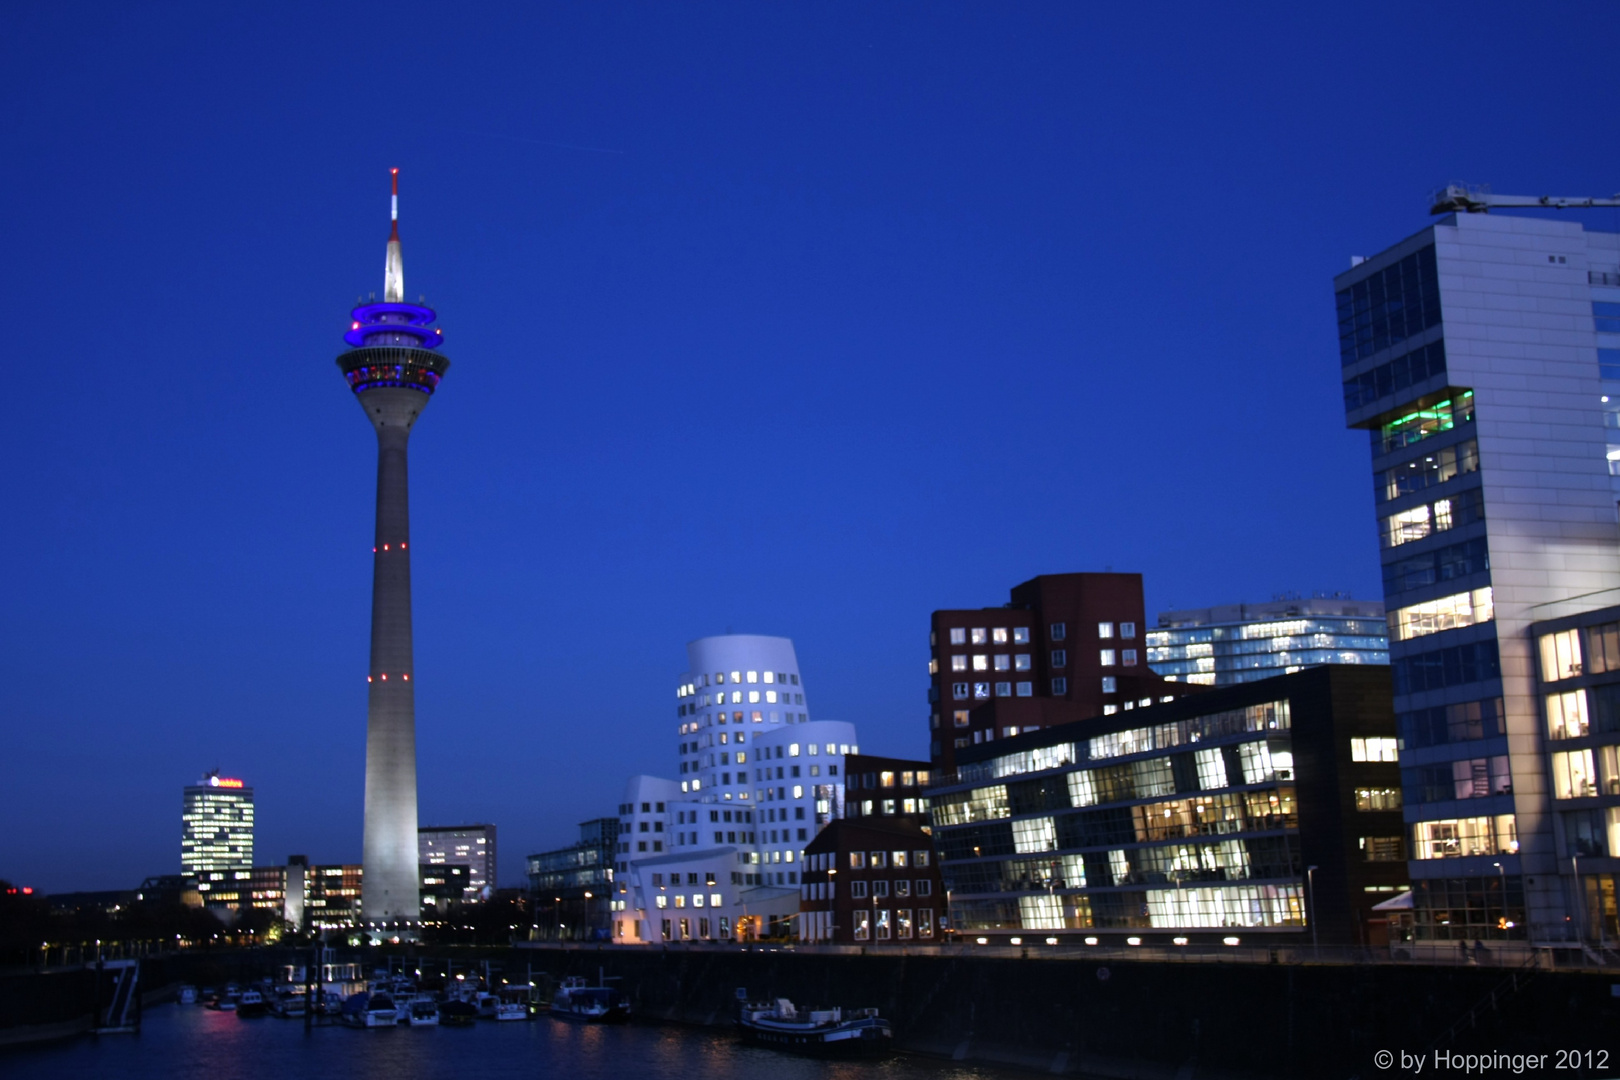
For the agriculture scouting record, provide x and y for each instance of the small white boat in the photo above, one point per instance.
(251, 1004)
(423, 1012)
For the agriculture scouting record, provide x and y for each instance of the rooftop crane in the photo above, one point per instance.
(1479, 200)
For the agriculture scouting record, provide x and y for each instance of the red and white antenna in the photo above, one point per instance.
(394, 271)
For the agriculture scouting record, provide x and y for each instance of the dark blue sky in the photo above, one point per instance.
(799, 319)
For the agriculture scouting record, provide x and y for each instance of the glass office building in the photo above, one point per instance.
(1235, 643)
(1476, 356)
(1210, 817)
(216, 838)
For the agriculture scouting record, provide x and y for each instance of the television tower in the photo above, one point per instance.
(393, 369)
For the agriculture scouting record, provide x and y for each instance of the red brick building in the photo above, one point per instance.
(1068, 647)
(871, 881)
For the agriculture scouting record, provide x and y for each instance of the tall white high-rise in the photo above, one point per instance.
(216, 840)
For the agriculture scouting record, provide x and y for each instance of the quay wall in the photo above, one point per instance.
(1115, 1018)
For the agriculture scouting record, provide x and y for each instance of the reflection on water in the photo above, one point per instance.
(187, 1042)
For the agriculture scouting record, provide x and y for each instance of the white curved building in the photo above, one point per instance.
(758, 780)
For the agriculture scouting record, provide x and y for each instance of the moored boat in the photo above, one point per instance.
(251, 1004)
(820, 1032)
(423, 1012)
(370, 1011)
(593, 1004)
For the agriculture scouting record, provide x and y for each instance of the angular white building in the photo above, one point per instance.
(717, 853)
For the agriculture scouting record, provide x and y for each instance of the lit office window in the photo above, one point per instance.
(979, 635)
(981, 662)
(958, 636)
(1373, 749)
(1566, 715)
(1446, 613)
(998, 636)
(1105, 657)
(959, 662)
(1561, 655)
(1021, 662)
(1003, 662)
(1020, 635)
(1127, 630)
(1454, 838)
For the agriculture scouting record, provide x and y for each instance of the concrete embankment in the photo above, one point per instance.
(1129, 1018)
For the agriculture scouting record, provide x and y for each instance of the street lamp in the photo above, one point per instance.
(1501, 877)
(1310, 881)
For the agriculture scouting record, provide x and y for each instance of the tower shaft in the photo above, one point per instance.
(391, 885)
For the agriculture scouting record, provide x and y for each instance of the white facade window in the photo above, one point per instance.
(959, 662)
(1105, 629)
(981, 662)
(736, 676)
(1106, 656)
(998, 635)
(770, 695)
(770, 677)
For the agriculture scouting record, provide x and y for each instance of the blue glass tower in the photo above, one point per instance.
(393, 367)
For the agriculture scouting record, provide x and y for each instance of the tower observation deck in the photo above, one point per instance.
(393, 367)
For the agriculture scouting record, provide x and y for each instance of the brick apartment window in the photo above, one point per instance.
(857, 890)
(1105, 630)
(1021, 662)
(1003, 662)
(998, 636)
(981, 662)
(1060, 657)
(1110, 684)
(1106, 657)
(1127, 630)
(1059, 631)
(1020, 635)
(981, 691)
(1003, 689)
(960, 718)
(958, 636)
(1127, 657)
(1060, 686)
(959, 691)
(959, 743)
(959, 662)
(1025, 689)
(979, 635)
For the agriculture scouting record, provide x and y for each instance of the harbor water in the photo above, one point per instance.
(188, 1042)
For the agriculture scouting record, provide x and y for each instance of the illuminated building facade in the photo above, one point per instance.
(1203, 819)
(1233, 643)
(216, 839)
(471, 846)
(1067, 647)
(1482, 357)
(393, 367)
